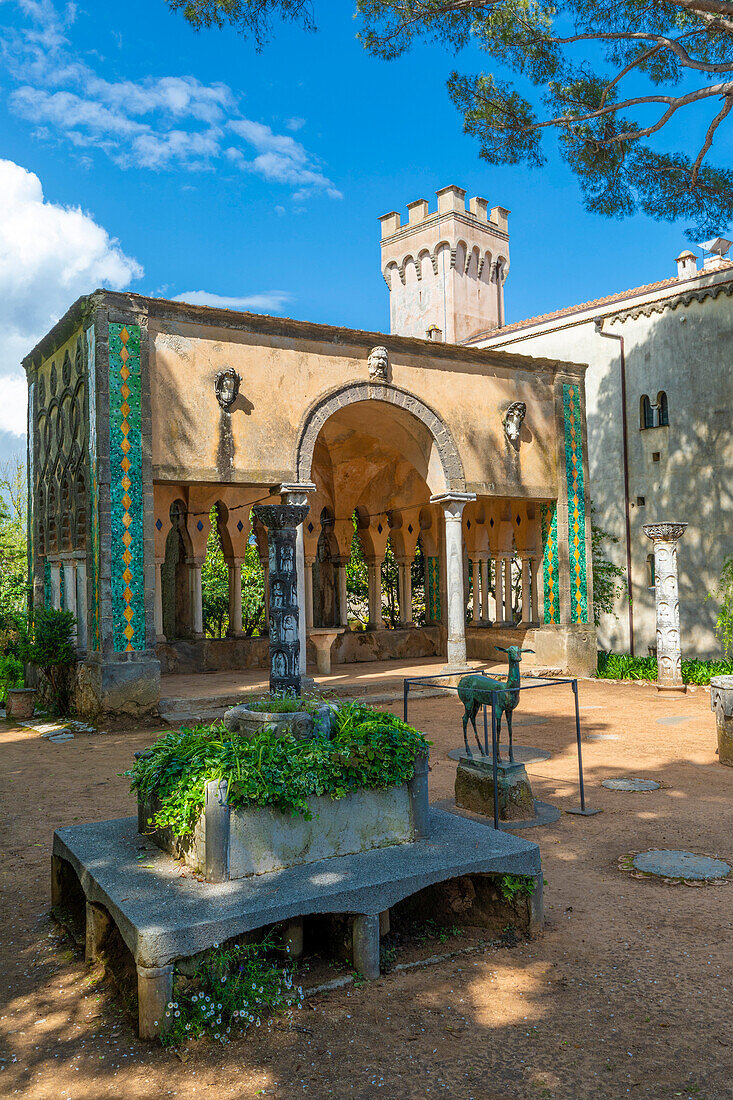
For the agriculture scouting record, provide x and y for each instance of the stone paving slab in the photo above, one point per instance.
(163, 914)
(630, 784)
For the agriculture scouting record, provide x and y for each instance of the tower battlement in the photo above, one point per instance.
(446, 269)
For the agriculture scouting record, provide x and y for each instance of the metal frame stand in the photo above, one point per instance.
(580, 811)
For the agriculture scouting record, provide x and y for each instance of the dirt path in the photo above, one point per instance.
(628, 992)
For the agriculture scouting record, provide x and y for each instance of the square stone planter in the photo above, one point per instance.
(255, 840)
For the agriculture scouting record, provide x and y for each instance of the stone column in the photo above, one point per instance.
(296, 494)
(669, 656)
(476, 589)
(265, 566)
(56, 584)
(485, 585)
(453, 505)
(235, 597)
(535, 564)
(309, 563)
(374, 576)
(69, 568)
(281, 521)
(526, 591)
(159, 631)
(197, 603)
(404, 566)
(81, 604)
(508, 616)
(498, 590)
(342, 595)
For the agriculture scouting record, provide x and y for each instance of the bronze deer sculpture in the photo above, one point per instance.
(474, 691)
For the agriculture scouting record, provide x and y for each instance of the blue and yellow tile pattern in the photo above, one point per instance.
(576, 504)
(126, 489)
(548, 518)
(94, 632)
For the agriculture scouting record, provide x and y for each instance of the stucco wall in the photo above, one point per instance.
(688, 353)
(282, 378)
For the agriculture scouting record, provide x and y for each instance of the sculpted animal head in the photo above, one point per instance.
(514, 652)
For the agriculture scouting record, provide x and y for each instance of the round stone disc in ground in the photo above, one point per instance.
(674, 719)
(523, 754)
(672, 863)
(624, 784)
(603, 737)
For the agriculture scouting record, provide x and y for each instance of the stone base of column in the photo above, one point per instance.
(672, 687)
(117, 686)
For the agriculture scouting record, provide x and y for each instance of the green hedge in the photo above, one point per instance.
(621, 666)
(11, 674)
(368, 748)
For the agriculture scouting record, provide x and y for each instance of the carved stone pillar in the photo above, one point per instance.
(281, 521)
(534, 564)
(485, 586)
(69, 568)
(374, 573)
(669, 655)
(526, 591)
(453, 505)
(343, 598)
(499, 591)
(296, 494)
(508, 612)
(266, 588)
(197, 602)
(308, 564)
(404, 568)
(81, 604)
(159, 631)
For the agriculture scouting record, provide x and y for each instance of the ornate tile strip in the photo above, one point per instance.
(30, 512)
(433, 592)
(548, 519)
(576, 504)
(94, 632)
(126, 491)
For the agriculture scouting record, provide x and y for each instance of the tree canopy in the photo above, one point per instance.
(605, 75)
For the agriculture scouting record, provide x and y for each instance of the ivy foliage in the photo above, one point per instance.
(609, 580)
(367, 749)
(723, 593)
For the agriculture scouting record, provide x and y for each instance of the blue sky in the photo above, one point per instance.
(137, 153)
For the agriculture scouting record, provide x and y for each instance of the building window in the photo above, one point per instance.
(640, 502)
(650, 572)
(656, 456)
(662, 408)
(646, 416)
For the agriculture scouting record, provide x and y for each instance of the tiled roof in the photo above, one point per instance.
(595, 303)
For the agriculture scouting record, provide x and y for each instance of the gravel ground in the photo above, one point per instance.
(627, 992)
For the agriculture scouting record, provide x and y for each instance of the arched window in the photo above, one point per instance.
(663, 408)
(646, 417)
(650, 581)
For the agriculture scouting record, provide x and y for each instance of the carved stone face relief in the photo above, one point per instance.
(227, 387)
(513, 419)
(378, 364)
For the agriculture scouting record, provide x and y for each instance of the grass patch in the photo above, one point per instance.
(621, 666)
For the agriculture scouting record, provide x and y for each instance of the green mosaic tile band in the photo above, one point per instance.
(576, 504)
(94, 631)
(433, 593)
(31, 482)
(126, 488)
(548, 519)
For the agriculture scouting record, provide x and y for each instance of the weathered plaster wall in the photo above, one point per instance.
(686, 352)
(282, 378)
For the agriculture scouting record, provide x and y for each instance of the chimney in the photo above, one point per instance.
(686, 264)
(435, 334)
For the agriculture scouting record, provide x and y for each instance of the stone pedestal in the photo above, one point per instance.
(281, 521)
(323, 639)
(721, 703)
(475, 789)
(666, 594)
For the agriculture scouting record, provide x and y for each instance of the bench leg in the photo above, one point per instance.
(97, 929)
(365, 942)
(58, 871)
(536, 907)
(384, 923)
(293, 937)
(154, 991)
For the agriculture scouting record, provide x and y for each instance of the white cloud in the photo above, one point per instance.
(158, 123)
(49, 255)
(270, 301)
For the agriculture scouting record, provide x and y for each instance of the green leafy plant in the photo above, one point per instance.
(609, 580)
(48, 646)
(11, 674)
(285, 704)
(512, 887)
(367, 749)
(724, 593)
(621, 666)
(233, 990)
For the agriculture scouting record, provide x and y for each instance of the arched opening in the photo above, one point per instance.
(663, 408)
(176, 588)
(215, 581)
(646, 415)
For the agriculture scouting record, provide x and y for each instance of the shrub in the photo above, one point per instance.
(11, 675)
(367, 749)
(724, 593)
(48, 646)
(621, 666)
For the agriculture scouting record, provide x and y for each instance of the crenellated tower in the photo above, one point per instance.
(446, 270)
